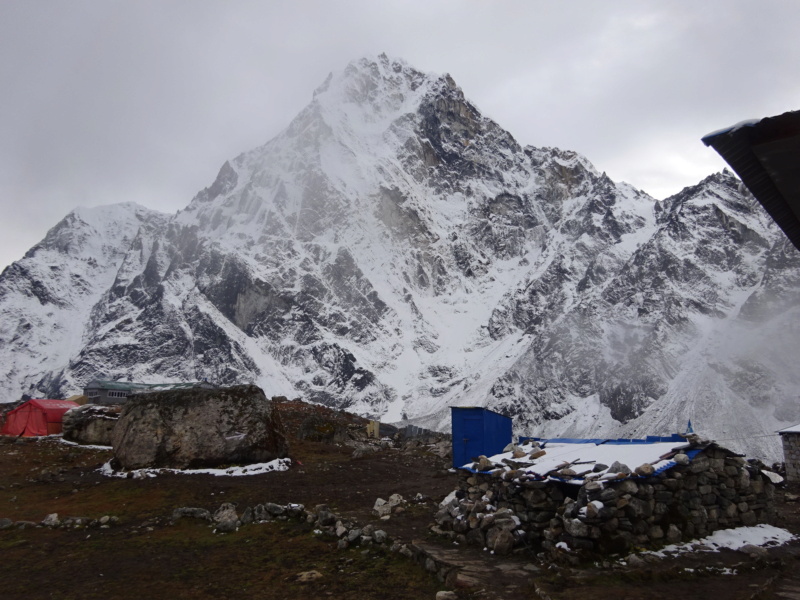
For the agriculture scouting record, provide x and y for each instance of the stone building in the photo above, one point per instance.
(116, 392)
(790, 437)
(582, 494)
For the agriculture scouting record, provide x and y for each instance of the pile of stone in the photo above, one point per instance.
(347, 532)
(502, 510)
(226, 519)
(385, 508)
(367, 446)
(330, 429)
(472, 518)
(439, 445)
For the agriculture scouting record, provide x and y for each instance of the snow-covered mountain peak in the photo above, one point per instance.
(377, 125)
(395, 252)
(83, 231)
(372, 79)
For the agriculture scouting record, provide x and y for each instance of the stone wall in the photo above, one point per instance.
(716, 490)
(791, 455)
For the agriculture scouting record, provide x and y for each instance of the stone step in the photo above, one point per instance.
(468, 568)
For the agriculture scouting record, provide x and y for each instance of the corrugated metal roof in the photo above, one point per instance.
(655, 450)
(146, 387)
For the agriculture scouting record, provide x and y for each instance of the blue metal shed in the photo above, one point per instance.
(478, 431)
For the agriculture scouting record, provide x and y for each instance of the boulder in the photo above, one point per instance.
(681, 459)
(51, 520)
(576, 527)
(754, 551)
(226, 519)
(674, 534)
(275, 510)
(326, 517)
(442, 449)
(499, 541)
(90, 424)
(382, 507)
(363, 451)
(635, 562)
(484, 464)
(380, 536)
(308, 576)
(618, 467)
(353, 535)
(261, 514)
(225, 512)
(198, 428)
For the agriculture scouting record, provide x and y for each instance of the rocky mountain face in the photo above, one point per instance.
(394, 252)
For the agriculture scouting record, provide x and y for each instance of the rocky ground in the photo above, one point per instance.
(128, 545)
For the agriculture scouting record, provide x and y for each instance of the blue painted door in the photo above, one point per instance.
(473, 437)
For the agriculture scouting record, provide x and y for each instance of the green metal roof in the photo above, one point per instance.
(149, 387)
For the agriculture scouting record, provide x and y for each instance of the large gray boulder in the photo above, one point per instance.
(198, 428)
(90, 424)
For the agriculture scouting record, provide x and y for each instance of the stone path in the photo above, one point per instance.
(788, 587)
(465, 567)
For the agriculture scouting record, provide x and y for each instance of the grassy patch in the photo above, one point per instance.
(189, 561)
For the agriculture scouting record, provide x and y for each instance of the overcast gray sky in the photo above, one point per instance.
(109, 101)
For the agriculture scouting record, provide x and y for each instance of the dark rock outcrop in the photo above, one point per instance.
(198, 428)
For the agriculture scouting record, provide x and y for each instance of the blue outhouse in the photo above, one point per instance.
(478, 431)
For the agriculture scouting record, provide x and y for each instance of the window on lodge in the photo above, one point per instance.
(117, 394)
(93, 394)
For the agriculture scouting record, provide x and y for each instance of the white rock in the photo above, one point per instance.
(51, 520)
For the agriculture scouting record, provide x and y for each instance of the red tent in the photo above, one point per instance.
(36, 417)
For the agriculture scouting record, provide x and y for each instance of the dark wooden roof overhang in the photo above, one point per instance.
(765, 154)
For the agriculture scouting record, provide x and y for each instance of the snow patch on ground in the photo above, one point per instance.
(87, 446)
(279, 464)
(732, 539)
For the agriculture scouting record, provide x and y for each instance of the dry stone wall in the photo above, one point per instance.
(791, 455)
(716, 490)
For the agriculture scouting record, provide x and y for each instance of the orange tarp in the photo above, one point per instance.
(36, 417)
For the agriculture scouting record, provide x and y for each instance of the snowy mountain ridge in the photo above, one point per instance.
(395, 252)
